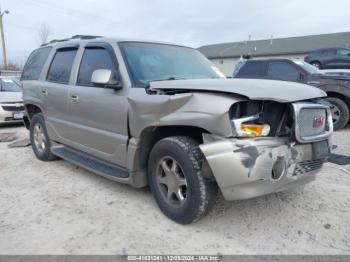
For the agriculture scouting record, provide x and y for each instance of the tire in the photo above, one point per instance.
(39, 139)
(196, 195)
(340, 112)
(316, 64)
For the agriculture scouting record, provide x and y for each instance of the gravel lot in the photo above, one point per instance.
(57, 208)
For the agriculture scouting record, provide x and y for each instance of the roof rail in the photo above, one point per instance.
(73, 37)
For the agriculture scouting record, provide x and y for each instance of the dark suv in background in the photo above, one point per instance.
(336, 87)
(329, 58)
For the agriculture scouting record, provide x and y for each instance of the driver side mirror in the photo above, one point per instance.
(301, 77)
(106, 78)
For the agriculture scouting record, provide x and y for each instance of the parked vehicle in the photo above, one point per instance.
(337, 88)
(337, 72)
(11, 104)
(329, 58)
(158, 114)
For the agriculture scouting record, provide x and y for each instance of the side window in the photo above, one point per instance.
(283, 71)
(343, 52)
(61, 66)
(93, 59)
(254, 69)
(35, 64)
(328, 52)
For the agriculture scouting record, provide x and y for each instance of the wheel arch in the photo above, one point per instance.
(31, 110)
(340, 96)
(151, 135)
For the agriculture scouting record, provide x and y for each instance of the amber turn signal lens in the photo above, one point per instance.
(256, 130)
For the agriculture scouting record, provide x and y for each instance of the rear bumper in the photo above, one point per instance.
(243, 168)
(7, 117)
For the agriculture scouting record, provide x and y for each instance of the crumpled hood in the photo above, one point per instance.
(10, 97)
(255, 89)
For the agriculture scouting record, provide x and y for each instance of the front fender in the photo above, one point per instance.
(340, 89)
(204, 110)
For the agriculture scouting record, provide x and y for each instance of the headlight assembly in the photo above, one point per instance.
(243, 129)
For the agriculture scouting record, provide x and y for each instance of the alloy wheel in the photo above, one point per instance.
(171, 181)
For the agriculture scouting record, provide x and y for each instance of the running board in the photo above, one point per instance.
(91, 163)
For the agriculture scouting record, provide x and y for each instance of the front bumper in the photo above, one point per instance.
(243, 168)
(11, 113)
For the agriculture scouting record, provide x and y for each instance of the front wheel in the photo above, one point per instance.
(176, 180)
(340, 112)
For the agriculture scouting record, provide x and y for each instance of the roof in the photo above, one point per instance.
(280, 46)
(88, 38)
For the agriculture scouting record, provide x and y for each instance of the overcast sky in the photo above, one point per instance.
(189, 22)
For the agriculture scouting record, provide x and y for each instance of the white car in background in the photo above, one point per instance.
(11, 103)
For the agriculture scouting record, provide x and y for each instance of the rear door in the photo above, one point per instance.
(253, 69)
(54, 92)
(98, 115)
(343, 58)
(283, 70)
(329, 58)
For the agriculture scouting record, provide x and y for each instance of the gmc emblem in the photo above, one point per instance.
(318, 121)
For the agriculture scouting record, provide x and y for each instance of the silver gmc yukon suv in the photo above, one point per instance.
(157, 114)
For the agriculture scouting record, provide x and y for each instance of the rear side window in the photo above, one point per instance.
(61, 66)
(253, 69)
(282, 71)
(35, 64)
(93, 59)
(328, 52)
(343, 52)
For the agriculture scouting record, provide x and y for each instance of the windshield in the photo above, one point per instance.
(8, 85)
(149, 62)
(308, 68)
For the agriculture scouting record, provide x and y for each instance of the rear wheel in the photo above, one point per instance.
(317, 64)
(340, 112)
(176, 180)
(39, 139)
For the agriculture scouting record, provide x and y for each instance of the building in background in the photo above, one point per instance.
(225, 56)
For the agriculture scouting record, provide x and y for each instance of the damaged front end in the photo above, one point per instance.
(275, 146)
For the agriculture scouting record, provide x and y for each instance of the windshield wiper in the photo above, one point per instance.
(168, 79)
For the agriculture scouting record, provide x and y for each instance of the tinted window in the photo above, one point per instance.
(8, 85)
(61, 66)
(35, 64)
(328, 52)
(283, 71)
(93, 59)
(343, 52)
(253, 69)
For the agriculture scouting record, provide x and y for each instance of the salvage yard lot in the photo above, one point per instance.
(57, 208)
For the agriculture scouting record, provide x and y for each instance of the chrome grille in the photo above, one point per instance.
(306, 121)
(307, 166)
(313, 122)
(13, 108)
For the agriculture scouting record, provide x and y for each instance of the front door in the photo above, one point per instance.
(98, 115)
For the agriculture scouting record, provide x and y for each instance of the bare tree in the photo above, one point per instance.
(43, 33)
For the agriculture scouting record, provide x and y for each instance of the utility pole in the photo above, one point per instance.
(2, 13)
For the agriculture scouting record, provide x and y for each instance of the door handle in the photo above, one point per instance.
(74, 99)
(44, 92)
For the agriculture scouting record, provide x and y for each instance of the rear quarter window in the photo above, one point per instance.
(35, 63)
(252, 69)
